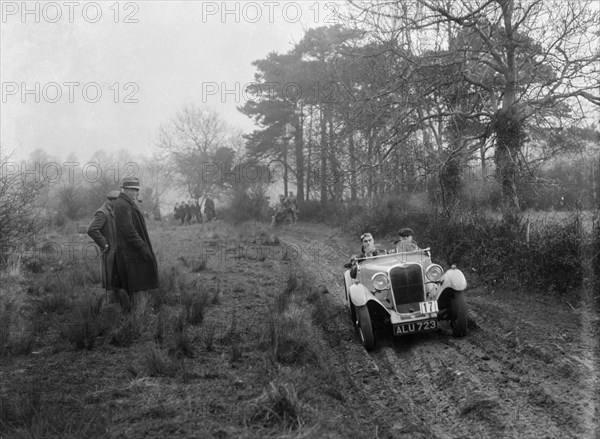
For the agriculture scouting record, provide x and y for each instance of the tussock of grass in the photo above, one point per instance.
(293, 339)
(85, 324)
(161, 322)
(133, 325)
(208, 336)
(22, 409)
(25, 416)
(195, 305)
(279, 405)
(183, 344)
(12, 266)
(292, 335)
(16, 332)
(157, 363)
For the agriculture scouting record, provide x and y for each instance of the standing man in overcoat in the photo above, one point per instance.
(102, 230)
(136, 262)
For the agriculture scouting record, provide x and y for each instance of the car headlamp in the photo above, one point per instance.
(434, 272)
(380, 281)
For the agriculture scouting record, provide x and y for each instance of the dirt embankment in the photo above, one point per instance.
(528, 369)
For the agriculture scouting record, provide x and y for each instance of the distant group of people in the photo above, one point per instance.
(118, 227)
(201, 211)
(286, 211)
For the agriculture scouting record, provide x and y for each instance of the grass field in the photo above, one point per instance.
(229, 346)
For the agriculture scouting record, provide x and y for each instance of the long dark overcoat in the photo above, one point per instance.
(102, 230)
(136, 263)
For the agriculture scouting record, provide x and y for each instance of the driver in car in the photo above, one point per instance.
(368, 248)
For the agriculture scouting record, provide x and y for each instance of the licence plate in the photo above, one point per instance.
(427, 307)
(409, 328)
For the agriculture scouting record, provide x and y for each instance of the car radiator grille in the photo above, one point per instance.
(407, 284)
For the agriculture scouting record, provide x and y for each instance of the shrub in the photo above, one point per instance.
(548, 258)
(555, 256)
(332, 214)
(247, 204)
(387, 217)
(19, 210)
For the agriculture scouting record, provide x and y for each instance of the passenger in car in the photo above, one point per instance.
(406, 243)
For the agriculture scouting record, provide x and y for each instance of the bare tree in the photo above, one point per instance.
(532, 64)
(198, 147)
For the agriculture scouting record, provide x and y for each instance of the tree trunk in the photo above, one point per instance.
(323, 175)
(370, 169)
(299, 146)
(352, 166)
(284, 148)
(336, 169)
(508, 126)
(509, 137)
(482, 155)
(309, 164)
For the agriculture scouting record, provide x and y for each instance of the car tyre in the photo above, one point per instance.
(351, 310)
(365, 328)
(459, 320)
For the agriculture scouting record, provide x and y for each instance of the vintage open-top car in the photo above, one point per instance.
(403, 290)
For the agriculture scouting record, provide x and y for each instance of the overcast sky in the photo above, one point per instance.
(108, 85)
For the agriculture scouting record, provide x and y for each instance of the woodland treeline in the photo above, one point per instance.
(431, 95)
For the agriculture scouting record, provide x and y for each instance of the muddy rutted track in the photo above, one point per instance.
(515, 375)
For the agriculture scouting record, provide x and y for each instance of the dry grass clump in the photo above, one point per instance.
(25, 415)
(133, 325)
(16, 334)
(208, 336)
(157, 363)
(92, 321)
(183, 342)
(19, 411)
(85, 323)
(194, 306)
(172, 281)
(280, 405)
(292, 337)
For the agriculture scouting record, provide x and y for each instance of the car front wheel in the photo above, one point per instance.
(365, 328)
(458, 321)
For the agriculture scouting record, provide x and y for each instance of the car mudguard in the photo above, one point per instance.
(359, 294)
(455, 279)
